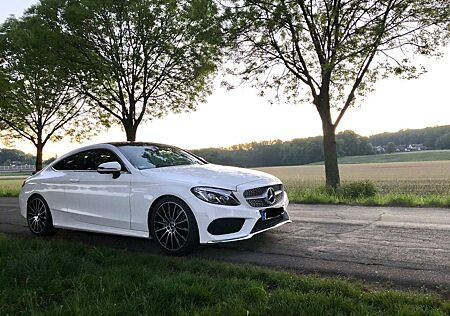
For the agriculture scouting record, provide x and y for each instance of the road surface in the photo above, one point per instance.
(406, 247)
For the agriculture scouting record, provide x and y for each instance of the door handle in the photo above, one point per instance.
(74, 180)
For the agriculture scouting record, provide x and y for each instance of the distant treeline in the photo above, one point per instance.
(308, 150)
(10, 157)
(278, 153)
(428, 136)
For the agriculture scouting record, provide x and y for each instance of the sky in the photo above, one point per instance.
(240, 116)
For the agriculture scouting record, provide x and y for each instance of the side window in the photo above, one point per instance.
(74, 162)
(94, 158)
(88, 160)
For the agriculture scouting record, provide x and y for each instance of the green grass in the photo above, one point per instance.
(428, 155)
(45, 277)
(10, 187)
(319, 195)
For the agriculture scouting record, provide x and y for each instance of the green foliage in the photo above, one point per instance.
(55, 277)
(8, 156)
(357, 189)
(390, 147)
(443, 142)
(137, 59)
(427, 136)
(37, 102)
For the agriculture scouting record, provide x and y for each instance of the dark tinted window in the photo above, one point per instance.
(87, 160)
(93, 158)
(156, 156)
(74, 162)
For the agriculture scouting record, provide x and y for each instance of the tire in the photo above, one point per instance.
(173, 226)
(39, 218)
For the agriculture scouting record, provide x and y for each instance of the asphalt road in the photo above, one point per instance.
(405, 247)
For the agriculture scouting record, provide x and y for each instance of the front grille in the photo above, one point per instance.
(261, 190)
(255, 197)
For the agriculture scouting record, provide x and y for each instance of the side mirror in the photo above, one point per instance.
(111, 167)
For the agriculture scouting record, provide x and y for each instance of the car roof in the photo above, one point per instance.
(119, 144)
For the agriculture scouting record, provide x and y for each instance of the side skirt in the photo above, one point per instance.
(108, 230)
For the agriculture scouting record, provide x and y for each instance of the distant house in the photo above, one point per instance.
(380, 149)
(416, 147)
(401, 148)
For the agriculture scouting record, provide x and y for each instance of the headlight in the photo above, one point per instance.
(215, 196)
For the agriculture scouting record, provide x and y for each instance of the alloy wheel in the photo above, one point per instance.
(171, 226)
(37, 215)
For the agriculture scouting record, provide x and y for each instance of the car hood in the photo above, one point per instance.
(210, 175)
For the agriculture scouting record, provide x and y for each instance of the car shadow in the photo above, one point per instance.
(135, 244)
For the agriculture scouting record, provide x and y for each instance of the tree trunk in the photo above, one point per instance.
(130, 130)
(330, 155)
(39, 149)
(322, 103)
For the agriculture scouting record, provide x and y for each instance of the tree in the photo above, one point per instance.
(391, 147)
(443, 142)
(335, 49)
(351, 144)
(137, 59)
(36, 99)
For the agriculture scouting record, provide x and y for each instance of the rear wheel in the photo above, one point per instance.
(39, 218)
(174, 227)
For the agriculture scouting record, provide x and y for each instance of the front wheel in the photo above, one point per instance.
(174, 227)
(39, 218)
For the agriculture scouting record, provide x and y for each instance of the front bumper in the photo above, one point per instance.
(260, 226)
(248, 220)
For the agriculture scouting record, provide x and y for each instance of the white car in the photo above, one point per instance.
(152, 190)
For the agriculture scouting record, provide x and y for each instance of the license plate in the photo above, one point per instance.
(263, 215)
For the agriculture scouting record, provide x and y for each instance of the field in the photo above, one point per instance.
(428, 155)
(423, 178)
(49, 277)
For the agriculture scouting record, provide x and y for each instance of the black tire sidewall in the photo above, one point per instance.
(193, 237)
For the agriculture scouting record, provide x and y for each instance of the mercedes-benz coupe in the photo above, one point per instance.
(153, 191)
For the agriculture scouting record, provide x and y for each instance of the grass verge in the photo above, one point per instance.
(55, 277)
(319, 195)
(10, 187)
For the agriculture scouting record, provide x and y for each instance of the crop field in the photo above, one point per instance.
(427, 155)
(422, 178)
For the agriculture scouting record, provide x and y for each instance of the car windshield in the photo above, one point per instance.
(157, 156)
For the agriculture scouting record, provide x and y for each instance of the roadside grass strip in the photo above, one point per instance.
(48, 277)
(10, 187)
(318, 195)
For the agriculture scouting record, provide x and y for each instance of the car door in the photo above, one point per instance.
(99, 199)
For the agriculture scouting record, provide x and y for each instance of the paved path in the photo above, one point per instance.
(400, 246)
